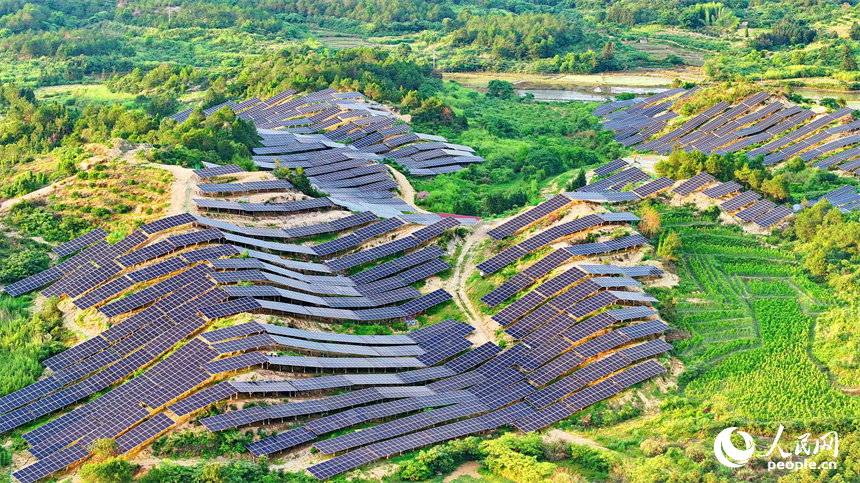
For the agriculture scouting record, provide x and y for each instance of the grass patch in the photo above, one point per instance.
(80, 95)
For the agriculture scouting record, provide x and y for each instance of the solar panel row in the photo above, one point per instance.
(616, 181)
(740, 201)
(588, 249)
(772, 217)
(694, 184)
(610, 167)
(530, 217)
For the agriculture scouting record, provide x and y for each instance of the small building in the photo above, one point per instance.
(422, 195)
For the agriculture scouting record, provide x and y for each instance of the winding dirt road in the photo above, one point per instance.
(180, 192)
(456, 285)
(407, 192)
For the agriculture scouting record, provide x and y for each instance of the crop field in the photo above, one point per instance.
(663, 48)
(776, 380)
(748, 310)
(339, 40)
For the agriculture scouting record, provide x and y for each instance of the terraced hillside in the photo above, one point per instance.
(307, 314)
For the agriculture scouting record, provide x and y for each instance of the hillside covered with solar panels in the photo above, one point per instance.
(293, 305)
(759, 125)
(163, 290)
(247, 310)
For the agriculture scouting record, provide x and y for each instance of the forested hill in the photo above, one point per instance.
(47, 42)
(60, 41)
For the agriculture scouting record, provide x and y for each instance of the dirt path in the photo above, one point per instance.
(469, 468)
(457, 286)
(571, 438)
(407, 192)
(297, 462)
(180, 192)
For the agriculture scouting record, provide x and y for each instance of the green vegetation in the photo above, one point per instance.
(234, 472)
(51, 135)
(519, 458)
(26, 340)
(441, 459)
(46, 42)
(202, 443)
(105, 466)
(752, 174)
(20, 258)
(105, 195)
(525, 154)
(776, 380)
(743, 321)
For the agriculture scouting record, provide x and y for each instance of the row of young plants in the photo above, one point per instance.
(767, 287)
(753, 267)
(713, 350)
(722, 325)
(717, 287)
(705, 248)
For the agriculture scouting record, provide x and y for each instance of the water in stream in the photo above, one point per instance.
(588, 93)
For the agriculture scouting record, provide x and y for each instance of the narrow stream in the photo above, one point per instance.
(588, 93)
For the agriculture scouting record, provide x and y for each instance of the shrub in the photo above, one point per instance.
(589, 458)
(653, 446)
(516, 458)
(427, 463)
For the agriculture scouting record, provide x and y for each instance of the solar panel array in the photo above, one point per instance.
(654, 187)
(114, 413)
(640, 114)
(80, 242)
(721, 190)
(610, 167)
(725, 129)
(845, 199)
(588, 249)
(89, 273)
(300, 436)
(521, 415)
(773, 216)
(617, 181)
(329, 127)
(838, 158)
(530, 217)
(246, 187)
(547, 237)
(526, 277)
(396, 246)
(664, 143)
(256, 209)
(746, 206)
(439, 352)
(218, 171)
(740, 201)
(759, 208)
(694, 184)
(156, 425)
